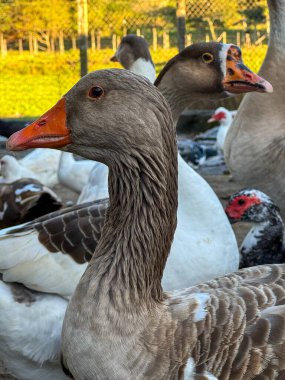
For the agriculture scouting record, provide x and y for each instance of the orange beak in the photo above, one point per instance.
(49, 131)
(240, 78)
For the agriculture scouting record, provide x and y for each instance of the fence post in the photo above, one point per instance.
(154, 39)
(73, 42)
(36, 48)
(3, 45)
(188, 39)
(31, 43)
(20, 45)
(52, 45)
(61, 42)
(83, 35)
(181, 23)
(166, 40)
(138, 32)
(238, 38)
(99, 40)
(93, 44)
(114, 42)
(247, 39)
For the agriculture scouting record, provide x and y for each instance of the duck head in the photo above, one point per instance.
(250, 205)
(221, 115)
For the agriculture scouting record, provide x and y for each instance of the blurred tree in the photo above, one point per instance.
(44, 19)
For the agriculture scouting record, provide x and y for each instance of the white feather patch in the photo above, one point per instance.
(223, 57)
(144, 68)
(200, 312)
(189, 371)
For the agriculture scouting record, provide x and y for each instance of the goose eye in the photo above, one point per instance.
(96, 92)
(208, 57)
(241, 202)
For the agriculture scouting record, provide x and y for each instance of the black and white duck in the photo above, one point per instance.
(264, 243)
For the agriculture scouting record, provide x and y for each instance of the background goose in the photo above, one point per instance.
(119, 320)
(25, 200)
(264, 243)
(211, 250)
(254, 147)
(37, 164)
(11, 170)
(73, 173)
(134, 55)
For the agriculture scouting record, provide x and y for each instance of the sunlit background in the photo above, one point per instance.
(40, 44)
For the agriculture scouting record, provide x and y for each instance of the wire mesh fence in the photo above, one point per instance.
(40, 48)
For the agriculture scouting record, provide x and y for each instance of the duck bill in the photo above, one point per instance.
(49, 131)
(211, 120)
(239, 78)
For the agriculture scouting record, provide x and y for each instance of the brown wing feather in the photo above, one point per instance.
(74, 231)
(243, 333)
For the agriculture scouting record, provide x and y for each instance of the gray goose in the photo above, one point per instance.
(134, 55)
(199, 71)
(119, 323)
(254, 146)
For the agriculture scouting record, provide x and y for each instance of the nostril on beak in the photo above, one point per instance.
(40, 124)
(248, 76)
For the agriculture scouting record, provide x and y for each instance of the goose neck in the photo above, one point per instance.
(277, 30)
(177, 100)
(129, 260)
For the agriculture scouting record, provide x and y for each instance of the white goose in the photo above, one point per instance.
(32, 263)
(119, 323)
(73, 173)
(38, 164)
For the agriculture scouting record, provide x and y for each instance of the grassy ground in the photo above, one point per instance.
(29, 85)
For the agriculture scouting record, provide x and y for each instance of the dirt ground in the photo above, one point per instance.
(222, 185)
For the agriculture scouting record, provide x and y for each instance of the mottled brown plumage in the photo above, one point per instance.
(119, 323)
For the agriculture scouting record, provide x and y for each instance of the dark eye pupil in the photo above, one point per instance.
(207, 57)
(241, 202)
(95, 92)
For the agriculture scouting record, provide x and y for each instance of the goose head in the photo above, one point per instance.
(133, 54)
(205, 71)
(104, 116)
(221, 115)
(250, 205)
